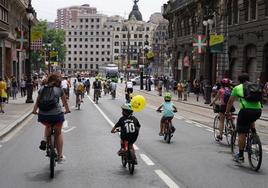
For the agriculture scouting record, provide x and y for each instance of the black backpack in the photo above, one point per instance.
(48, 99)
(252, 92)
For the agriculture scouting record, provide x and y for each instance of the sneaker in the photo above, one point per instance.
(43, 145)
(61, 159)
(161, 134)
(238, 158)
(219, 138)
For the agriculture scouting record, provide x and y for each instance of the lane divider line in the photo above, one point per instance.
(210, 130)
(189, 121)
(102, 113)
(147, 160)
(68, 130)
(197, 125)
(65, 124)
(170, 183)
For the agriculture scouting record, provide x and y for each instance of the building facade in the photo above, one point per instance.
(67, 15)
(13, 37)
(243, 23)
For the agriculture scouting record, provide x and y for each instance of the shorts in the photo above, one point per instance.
(131, 138)
(49, 120)
(245, 118)
(129, 90)
(164, 119)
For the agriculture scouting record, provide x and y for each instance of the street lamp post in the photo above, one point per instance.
(208, 22)
(29, 84)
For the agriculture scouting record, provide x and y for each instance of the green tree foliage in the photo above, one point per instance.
(55, 37)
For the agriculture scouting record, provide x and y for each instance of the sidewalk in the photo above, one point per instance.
(16, 111)
(191, 100)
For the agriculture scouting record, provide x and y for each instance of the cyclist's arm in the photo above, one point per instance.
(36, 105)
(216, 98)
(159, 108)
(230, 104)
(65, 104)
(175, 109)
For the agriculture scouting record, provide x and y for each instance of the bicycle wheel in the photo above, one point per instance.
(52, 156)
(216, 130)
(228, 131)
(131, 165)
(234, 142)
(124, 160)
(254, 152)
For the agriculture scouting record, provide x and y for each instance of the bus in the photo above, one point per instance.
(109, 71)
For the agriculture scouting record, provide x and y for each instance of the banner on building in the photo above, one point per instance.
(36, 40)
(199, 44)
(21, 39)
(216, 43)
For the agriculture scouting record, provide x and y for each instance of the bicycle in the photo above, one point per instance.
(168, 128)
(228, 126)
(127, 156)
(253, 147)
(51, 151)
(78, 101)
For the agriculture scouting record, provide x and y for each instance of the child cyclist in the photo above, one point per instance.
(168, 112)
(130, 127)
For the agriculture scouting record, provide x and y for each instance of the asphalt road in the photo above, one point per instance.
(193, 159)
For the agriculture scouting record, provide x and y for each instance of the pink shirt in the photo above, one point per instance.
(221, 90)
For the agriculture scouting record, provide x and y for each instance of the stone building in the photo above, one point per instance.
(243, 23)
(13, 29)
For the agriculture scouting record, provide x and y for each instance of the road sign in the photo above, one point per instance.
(199, 43)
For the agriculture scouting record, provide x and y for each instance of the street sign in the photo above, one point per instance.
(199, 43)
(216, 43)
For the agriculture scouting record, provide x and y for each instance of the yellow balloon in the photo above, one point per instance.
(138, 103)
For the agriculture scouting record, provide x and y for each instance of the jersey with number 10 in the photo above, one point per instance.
(129, 128)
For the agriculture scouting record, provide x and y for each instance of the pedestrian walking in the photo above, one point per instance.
(8, 90)
(180, 90)
(14, 85)
(185, 87)
(3, 94)
(197, 89)
(23, 87)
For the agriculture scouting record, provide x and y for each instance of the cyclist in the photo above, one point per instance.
(168, 112)
(128, 90)
(87, 85)
(65, 87)
(130, 127)
(97, 88)
(79, 90)
(223, 95)
(113, 88)
(248, 114)
(53, 116)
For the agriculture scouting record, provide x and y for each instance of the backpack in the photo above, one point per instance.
(252, 92)
(226, 95)
(48, 99)
(80, 88)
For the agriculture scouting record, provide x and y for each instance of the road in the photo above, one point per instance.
(193, 159)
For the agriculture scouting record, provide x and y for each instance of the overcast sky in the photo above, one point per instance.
(46, 9)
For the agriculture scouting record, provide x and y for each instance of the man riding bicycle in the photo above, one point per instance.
(168, 113)
(79, 91)
(249, 112)
(97, 88)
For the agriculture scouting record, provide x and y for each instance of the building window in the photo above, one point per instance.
(69, 65)
(91, 66)
(102, 59)
(75, 66)
(97, 59)
(229, 12)
(97, 20)
(80, 66)
(116, 51)
(266, 7)
(75, 52)
(91, 59)
(253, 9)
(69, 59)
(97, 66)
(85, 66)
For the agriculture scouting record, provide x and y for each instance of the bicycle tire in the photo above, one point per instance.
(228, 132)
(233, 141)
(254, 140)
(124, 160)
(131, 165)
(216, 126)
(52, 161)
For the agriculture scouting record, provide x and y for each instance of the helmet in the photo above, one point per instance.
(167, 96)
(225, 81)
(126, 106)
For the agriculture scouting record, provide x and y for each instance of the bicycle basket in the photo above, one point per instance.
(216, 108)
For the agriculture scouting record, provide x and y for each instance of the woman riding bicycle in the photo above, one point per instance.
(130, 127)
(223, 95)
(168, 112)
(54, 115)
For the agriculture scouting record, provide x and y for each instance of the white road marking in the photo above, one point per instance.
(197, 125)
(266, 152)
(68, 130)
(147, 160)
(102, 113)
(189, 121)
(0, 146)
(170, 183)
(210, 130)
(135, 147)
(179, 117)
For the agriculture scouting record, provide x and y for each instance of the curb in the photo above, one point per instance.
(262, 118)
(13, 125)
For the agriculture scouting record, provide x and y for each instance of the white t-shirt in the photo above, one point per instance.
(64, 84)
(129, 85)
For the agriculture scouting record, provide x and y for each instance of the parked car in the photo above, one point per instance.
(136, 80)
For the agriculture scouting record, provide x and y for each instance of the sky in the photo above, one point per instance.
(47, 9)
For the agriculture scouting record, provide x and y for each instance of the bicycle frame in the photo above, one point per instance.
(51, 152)
(127, 157)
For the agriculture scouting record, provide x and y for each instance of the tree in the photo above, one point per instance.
(55, 37)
